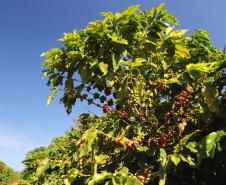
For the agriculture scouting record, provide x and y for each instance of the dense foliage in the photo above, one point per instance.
(30, 161)
(163, 99)
(7, 174)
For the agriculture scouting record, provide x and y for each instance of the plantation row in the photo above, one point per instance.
(7, 174)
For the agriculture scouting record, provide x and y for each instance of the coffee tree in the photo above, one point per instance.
(163, 100)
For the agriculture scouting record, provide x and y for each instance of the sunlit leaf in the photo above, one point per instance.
(175, 158)
(210, 94)
(103, 67)
(211, 144)
(54, 90)
(182, 51)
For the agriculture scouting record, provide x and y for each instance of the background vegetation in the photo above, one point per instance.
(7, 174)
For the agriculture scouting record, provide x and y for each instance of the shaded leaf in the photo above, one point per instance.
(210, 94)
(116, 61)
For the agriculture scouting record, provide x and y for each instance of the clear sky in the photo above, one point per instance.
(31, 27)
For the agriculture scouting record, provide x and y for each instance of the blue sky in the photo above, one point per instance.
(30, 27)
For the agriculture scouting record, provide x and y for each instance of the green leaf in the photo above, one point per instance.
(140, 88)
(87, 133)
(91, 138)
(171, 18)
(42, 165)
(168, 30)
(175, 158)
(211, 140)
(124, 170)
(182, 51)
(124, 85)
(138, 62)
(116, 61)
(172, 80)
(131, 10)
(107, 14)
(52, 54)
(93, 61)
(115, 38)
(101, 158)
(191, 146)
(160, 7)
(162, 173)
(177, 33)
(111, 79)
(100, 177)
(103, 67)
(163, 153)
(54, 90)
(201, 151)
(197, 67)
(152, 16)
(188, 159)
(210, 94)
(185, 138)
(116, 181)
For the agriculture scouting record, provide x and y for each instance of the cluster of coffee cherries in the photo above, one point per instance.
(142, 113)
(161, 85)
(145, 177)
(81, 163)
(107, 91)
(106, 109)
(131, 143)
(123, 113)
(182, 107)
(162, 141)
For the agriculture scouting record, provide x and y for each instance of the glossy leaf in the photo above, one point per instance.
(211, 140)
(175, 158)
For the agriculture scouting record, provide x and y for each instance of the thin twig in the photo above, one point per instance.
(78, 125)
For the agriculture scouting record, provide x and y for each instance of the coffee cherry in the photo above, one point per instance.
(106, 109)
(189, 89)
(107, 91)
(161, 85)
